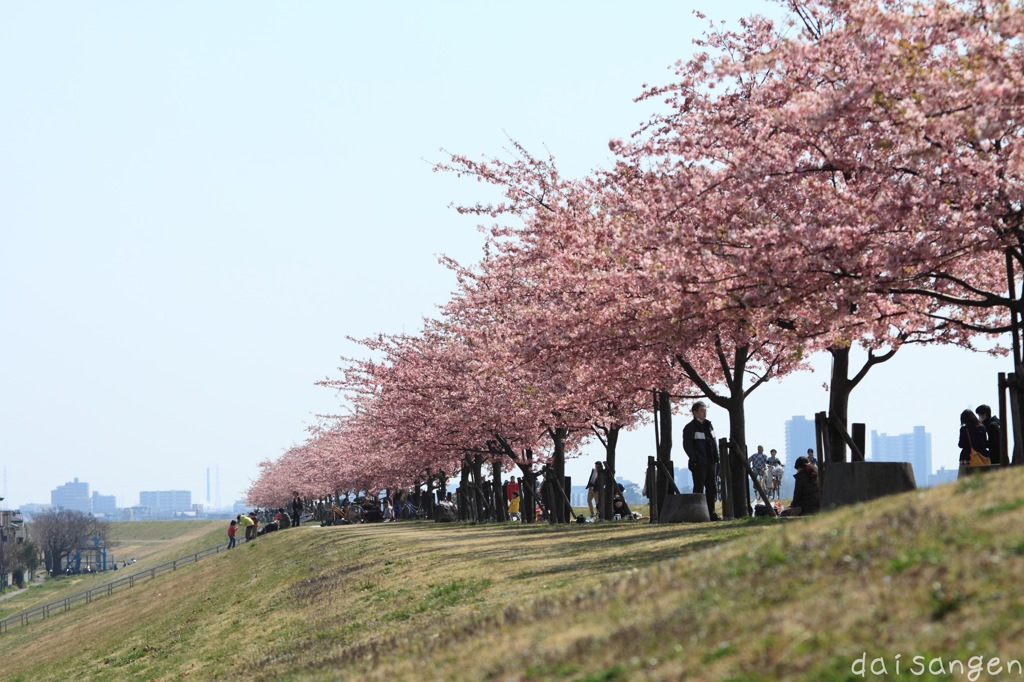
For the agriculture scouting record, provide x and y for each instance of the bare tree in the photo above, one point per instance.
(61, 531)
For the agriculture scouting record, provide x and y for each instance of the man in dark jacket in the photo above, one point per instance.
(994, 430)
(702, 451)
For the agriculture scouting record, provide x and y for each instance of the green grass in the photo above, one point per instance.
(150, 542)
(933, 573)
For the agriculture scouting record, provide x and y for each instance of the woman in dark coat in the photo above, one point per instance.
(972, 435)
(806, 496)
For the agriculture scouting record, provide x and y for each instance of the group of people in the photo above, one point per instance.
(259, 522)
(769, 471)
(701, 449)
(980, 431)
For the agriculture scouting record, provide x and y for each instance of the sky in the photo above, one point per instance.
(200, 202)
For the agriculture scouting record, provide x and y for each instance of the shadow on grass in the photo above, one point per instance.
(609, 564)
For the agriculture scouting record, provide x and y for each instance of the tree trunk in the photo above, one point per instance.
(738, 455)
(465, 497)
(608, 487)
(483, 511)
(500, 504)
(838, 403)
(557, 477)
(664, 416)
(527, 493)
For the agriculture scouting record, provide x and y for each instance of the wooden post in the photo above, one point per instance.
(663, 471)
(652, 488)
(1015, 416)
(1004, 451)
(859, 435)
(604, 493)
(724, 470)
(566, 485)
(821, 431)
(757, 486)
(837, 429)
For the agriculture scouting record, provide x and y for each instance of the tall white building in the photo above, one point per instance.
(800, 435)
(166, 502)
(915, 448)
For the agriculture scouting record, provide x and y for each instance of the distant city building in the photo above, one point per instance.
(943, 475)
(72, 495)
(914, 448)
(166, 502)
(684, 479)
(104, 505)
(800, 435)
(28, 510)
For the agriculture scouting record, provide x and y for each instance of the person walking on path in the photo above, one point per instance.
(702, 451)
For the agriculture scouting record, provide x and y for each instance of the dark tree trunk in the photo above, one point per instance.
(738, 456)
(466, 502)
(664, 446)
(556, 477)
(838, 404)
(608, 487)
(483, 511)
(500, 505)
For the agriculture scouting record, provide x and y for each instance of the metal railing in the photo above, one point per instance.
(65, 604)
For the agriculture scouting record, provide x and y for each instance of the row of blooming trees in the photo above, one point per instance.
(851, 176)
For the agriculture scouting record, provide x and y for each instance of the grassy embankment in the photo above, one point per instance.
(935, 574)
(149, 542)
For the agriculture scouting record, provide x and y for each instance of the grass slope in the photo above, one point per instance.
(150, 542)
(933, 574)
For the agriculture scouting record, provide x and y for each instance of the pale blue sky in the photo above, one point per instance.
(199, 201)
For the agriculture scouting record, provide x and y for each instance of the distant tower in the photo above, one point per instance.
(207, 485)
(800, 435)
(216, 480)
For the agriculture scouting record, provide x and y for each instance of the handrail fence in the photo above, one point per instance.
(63, 605)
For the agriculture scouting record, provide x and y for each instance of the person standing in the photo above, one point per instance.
(759, 465)
(247, 523)
(702, 452)
(296, 508)
(232, 527)
(593, 495)
(513, 507)
(994, 429)
(811, 459)
(972, 435)
(777, 471)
